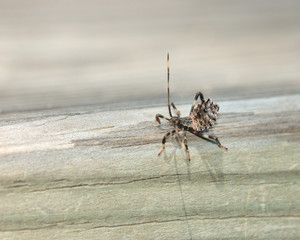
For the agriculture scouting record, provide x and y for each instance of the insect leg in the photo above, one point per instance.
(198, 94)
(186, 146)
(177, 111)
(164, 140)
(157, 116)
(184, 142)
(208, 138)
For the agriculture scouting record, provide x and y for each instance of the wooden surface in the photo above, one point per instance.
(85, 174)
(80, 84)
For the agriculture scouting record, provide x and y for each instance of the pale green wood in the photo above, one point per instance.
(72, 167)
(76, 174)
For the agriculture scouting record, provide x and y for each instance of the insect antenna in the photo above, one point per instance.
(168, 64)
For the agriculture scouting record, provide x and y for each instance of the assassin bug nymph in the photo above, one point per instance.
(201, 118)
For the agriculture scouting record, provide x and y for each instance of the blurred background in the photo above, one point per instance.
(64, 53)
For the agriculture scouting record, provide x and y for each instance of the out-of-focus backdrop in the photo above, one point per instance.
(67, 53)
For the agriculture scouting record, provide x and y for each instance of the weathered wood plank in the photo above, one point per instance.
(84, 174)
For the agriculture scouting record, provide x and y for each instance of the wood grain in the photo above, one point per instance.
(80, 84)
(86, 174)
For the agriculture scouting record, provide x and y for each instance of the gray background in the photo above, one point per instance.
(70, 53)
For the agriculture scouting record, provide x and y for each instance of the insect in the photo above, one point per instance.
(200, 119)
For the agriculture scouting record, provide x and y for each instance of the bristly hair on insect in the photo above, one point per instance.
(201, 118)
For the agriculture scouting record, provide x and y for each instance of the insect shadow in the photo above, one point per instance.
(214, 165)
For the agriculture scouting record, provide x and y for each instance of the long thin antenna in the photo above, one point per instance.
(168, 64)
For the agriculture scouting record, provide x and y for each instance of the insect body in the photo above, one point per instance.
(201, 118)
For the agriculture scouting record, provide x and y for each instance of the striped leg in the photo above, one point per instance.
(208, 137)
(198, 94)
(183, 143)
(157, 116)
(186, 146)
(177, 111)
(164, 141)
